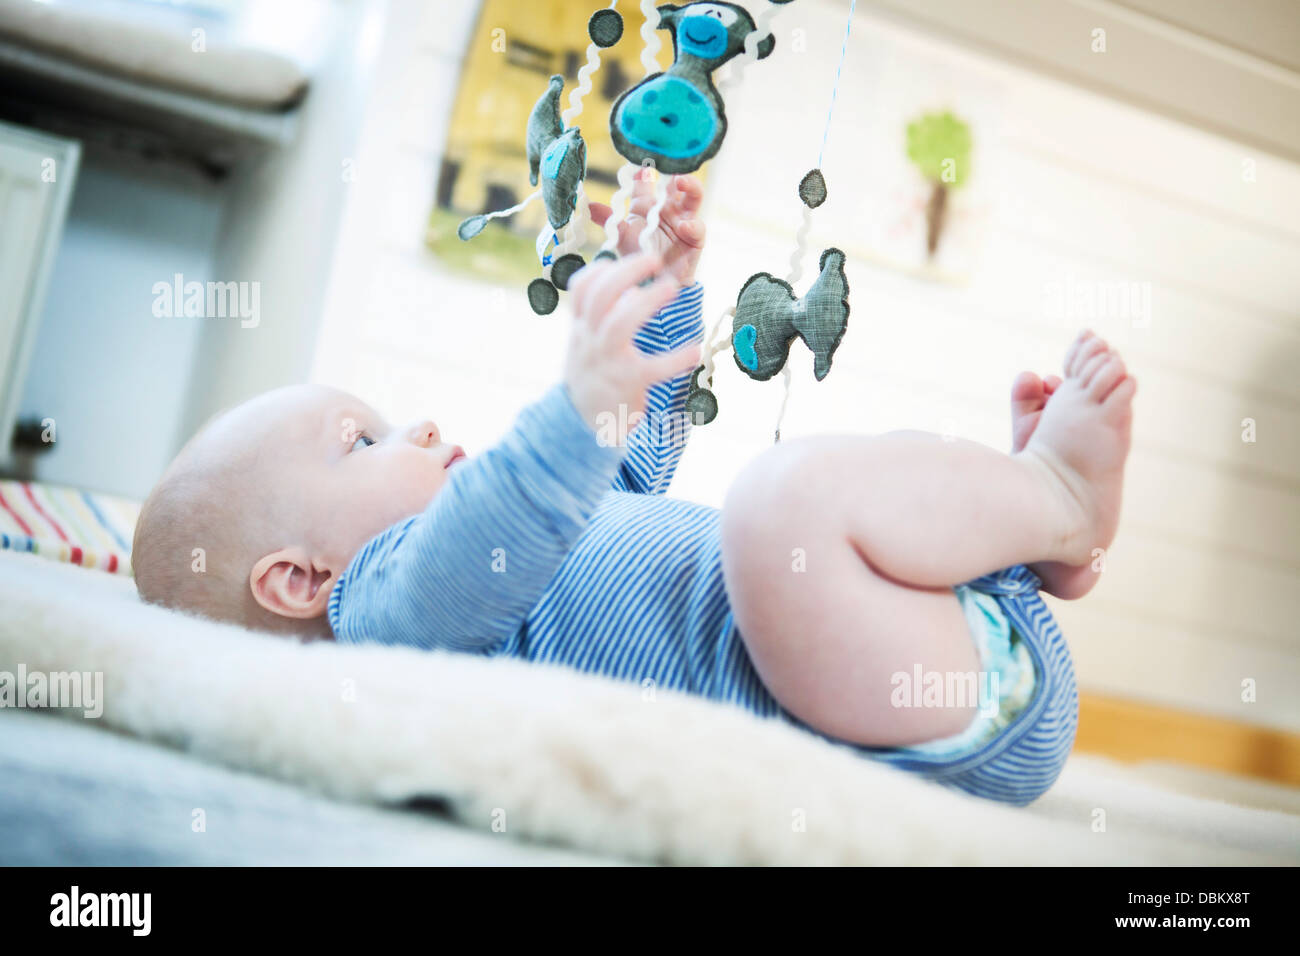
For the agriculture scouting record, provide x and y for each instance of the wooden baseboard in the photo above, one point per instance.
(1131, 731)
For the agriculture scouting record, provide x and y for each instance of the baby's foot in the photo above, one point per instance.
(1079, 427)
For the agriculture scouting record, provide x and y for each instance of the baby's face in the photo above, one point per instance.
(330, 472)
(361, 474)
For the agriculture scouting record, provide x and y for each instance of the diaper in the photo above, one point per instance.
(1014, 754)
(1004, 656)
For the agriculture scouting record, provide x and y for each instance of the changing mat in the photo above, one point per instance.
(67, 524)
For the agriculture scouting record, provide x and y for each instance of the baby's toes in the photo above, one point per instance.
(1027, 394)
(1090, 369)
(1107, 377)
(1088, 353)
(1118, 405)
(1073, 350)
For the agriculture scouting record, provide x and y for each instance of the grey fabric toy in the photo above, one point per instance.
(767, 320)
(564, 165)
(557, 155)
(544, 125)
(675, 120)
(769, 317)
(560, 154)
(605, 27)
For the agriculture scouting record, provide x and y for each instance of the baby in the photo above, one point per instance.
(861, 588)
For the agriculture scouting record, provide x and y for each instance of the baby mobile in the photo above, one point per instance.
(675, 121)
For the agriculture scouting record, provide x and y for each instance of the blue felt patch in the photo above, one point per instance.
(702, 36)
(669, 116)
(553, 158)
(743, 341)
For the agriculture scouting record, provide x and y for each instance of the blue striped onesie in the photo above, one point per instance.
(555, 547)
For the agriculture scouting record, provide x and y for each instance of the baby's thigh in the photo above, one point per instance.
(826, 633)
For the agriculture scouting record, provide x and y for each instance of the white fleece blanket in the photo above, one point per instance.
(553, 755)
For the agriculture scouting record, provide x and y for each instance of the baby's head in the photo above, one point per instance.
(263, 509)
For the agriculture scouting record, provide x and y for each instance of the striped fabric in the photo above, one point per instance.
(67, 524)
(553, 547)
(1024, 760)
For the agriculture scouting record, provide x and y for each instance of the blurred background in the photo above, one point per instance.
(1128, 165)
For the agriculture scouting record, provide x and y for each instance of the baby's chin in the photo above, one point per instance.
(383, 514)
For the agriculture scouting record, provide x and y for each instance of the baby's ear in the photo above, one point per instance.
(288, 583)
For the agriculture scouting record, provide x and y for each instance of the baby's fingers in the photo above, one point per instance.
(683, 199)
(599, 285)
(659, 368)
(636, 306)
(690, 194)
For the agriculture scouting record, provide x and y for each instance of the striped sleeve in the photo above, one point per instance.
(464, 574)
(656, 445)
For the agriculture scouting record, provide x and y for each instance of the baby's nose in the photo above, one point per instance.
(425, 434)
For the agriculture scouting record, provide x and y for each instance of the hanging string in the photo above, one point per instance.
(736, 70)
(714, 341)
(620, 203)
(652, 217)
(475, 224)
(650, 42)
(714, 345)
(785, 400)
(583, 86)
(801, 238)
(836, 88)
(575, 231)
(800, 247)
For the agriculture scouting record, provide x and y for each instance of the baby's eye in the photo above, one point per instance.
(363, 441)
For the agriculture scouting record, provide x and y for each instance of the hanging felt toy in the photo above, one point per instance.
(768, 316)
(559, 154)
(676, 120)
(671, 120)
(557, 157)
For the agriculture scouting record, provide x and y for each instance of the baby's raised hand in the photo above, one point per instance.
(680, 236)
(605, 372)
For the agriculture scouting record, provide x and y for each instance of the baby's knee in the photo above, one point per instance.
(775, 473)
(770, 498)
(765, 484)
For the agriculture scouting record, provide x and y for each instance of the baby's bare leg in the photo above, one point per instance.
(840, 552)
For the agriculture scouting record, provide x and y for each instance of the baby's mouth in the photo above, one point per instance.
(457, 454)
